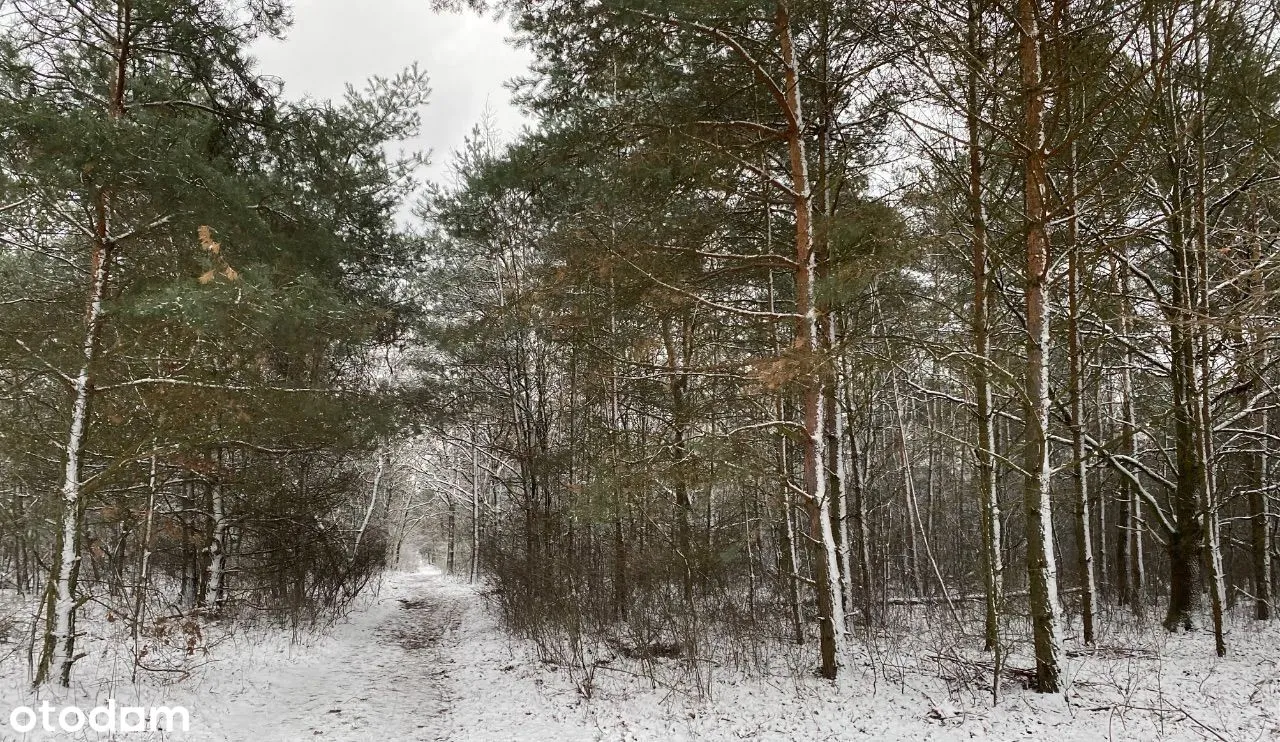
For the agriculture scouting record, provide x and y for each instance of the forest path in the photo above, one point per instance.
(378, 676)
(424, 662)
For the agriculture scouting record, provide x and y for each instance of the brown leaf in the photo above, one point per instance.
(206, 238)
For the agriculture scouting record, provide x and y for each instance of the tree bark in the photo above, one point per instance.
(984, 451)
(58, 653)
(1041, 564)
(213, 587)
(861, 522)
(1256, 466)
(373, 502)
(1075, 356)
(809, 341)
(473, 573)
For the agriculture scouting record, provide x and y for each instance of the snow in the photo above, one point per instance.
(425, 659)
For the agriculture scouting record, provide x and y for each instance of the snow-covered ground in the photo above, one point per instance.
(425, 659)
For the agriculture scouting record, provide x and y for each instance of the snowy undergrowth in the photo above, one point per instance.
(197, 663)
(927, 680)
(426, 659)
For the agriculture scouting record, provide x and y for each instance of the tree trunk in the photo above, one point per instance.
(368, 513)
(58, 652)
(213, 588)
(829, 322)
(984, 451)
(473, 573)
(789, 557)
(1131, 570)
(1205, 444)
(677, 387)
(809, 336)
(1075, 360)
(1256, 466)
(144, 566)
(1041, 564)
(451, 536)
(857, 482)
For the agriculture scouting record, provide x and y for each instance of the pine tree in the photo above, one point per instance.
(191, 215)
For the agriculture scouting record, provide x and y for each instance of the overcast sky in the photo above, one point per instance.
(335, 42)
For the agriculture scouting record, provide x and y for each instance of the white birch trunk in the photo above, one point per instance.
(217, 550)
(368, 513)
